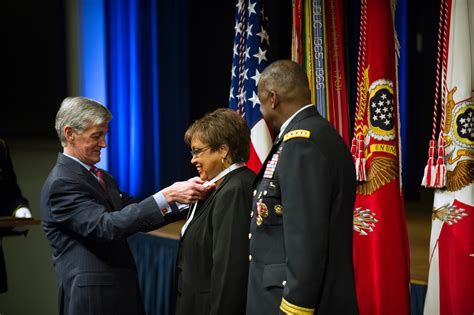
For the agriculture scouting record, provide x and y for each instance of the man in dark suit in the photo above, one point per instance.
(301, 227)
(87, 219)
(12, 202)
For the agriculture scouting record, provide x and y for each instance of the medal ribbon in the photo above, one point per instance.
(206, 184)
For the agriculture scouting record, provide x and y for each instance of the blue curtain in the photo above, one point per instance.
(402, 26)
(147, 75)
(146, 92)
(155, 258)
(132, 94)
(91, 61)
(174, 89)
(134, 59)
(417, 298)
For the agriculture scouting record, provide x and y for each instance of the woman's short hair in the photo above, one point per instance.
(222, 126)
(80, 113)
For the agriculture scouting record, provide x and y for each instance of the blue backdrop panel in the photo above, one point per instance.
(173, 58)
(417, 298)
(401, 25)
(155, 258)
(147, 92)
(92, 55)
(132, 93)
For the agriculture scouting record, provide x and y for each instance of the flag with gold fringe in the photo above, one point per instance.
(381, 254)
(450, 167)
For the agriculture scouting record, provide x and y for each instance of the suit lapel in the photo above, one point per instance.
(200, 210)
(87, 176)
(112, 195)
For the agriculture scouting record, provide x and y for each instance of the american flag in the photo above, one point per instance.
(250, 57)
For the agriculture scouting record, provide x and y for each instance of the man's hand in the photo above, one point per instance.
(196, 180)
(185, 192)
(208, 185)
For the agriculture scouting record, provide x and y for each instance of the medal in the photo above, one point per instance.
(263, 210)
(278, 209)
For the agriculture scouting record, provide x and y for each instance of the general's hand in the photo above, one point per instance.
(184, 192)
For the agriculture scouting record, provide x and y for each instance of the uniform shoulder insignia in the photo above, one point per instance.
(290, 308)
(299, 133)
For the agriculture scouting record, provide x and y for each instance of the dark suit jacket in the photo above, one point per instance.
(301, 247)
(212, 265)
(10, 199)
(87, 230)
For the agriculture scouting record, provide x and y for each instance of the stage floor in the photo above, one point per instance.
(418, 215)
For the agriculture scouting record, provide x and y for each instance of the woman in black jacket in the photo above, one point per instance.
(212, 266)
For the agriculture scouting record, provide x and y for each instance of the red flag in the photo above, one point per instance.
(381, 255)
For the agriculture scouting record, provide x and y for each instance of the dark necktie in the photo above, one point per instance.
(100, 177)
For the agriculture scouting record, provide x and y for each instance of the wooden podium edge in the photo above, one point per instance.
(14, 226)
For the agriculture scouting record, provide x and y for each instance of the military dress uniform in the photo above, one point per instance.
(300, 249)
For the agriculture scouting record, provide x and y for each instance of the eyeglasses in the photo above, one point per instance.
(196, 152)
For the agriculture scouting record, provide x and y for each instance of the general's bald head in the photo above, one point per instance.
(289, 80)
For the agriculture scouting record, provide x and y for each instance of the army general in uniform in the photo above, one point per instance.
(301, 228)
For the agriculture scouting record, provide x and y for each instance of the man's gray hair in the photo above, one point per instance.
(80, 113)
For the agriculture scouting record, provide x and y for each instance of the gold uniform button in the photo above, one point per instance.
(250, 257)
(278, 209)
(250, 236)
(284, 282)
